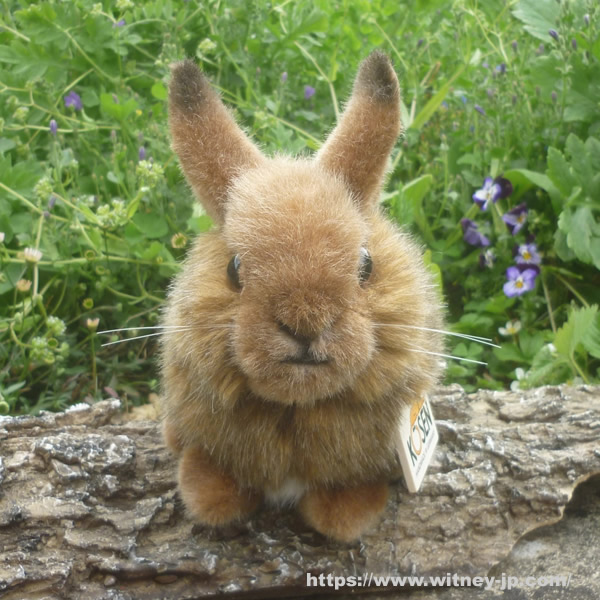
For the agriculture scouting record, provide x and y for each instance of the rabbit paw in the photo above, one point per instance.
(344, 514)
(210, 496)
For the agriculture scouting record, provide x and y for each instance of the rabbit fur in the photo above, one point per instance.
(295, 362)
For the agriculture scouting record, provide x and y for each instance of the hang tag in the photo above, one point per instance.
(418, 439)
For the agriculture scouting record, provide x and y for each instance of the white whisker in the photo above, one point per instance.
(478, 362)
(139, 337)
(473, 338)
(138, 328)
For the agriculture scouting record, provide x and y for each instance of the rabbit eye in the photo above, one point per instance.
(366, 265)
(233, 271)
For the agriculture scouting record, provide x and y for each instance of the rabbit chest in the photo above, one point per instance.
(333, 443)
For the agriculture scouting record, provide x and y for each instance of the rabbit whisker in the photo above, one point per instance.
(138, 328)
(478, 362)
(139, 337)
(473, 338)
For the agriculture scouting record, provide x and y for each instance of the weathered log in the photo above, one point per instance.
(88, 506)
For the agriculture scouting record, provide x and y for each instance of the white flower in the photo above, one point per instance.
(516, 384)
(2, 236)
(32, 255)
(92, 324)
(511, 328)
(23, 285)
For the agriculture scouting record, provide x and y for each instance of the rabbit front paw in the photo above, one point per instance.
(344, 514)
(210, 496)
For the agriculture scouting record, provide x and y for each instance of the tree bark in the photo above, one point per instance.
(89, 509)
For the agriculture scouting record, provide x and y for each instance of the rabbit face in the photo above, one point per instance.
(303, 291)
(302, 331)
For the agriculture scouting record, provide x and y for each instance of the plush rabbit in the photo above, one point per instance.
(302, 324)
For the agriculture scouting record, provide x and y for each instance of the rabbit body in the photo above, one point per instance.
(292, 363)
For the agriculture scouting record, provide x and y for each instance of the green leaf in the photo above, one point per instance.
(539, 16)
(547, 368)
(12, 273)
(200, 224)
(523, 180)
(152, 251)
(414, 191)
(434, 103)
(153, 226)
(117, 109)
(133, 206)
(573, 332)
(559, 172)
(580, 161)
(582, 234)
(562, 248)
(412, 194)
(435, 270)
(510, 353)
(591, 337)
(531, 343)
(6, 144)
(159, 91)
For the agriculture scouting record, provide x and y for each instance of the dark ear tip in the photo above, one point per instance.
(188, 86)
(377, 77)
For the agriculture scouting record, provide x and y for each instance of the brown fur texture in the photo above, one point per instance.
(298, 375)
(208, 493)
(343, 514)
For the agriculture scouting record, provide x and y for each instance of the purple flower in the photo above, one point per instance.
(471, 235)
(506, 187)
(553, 34)
(72, 99)
(119, 23)
(514, 45)
(284, 77)
(586, 19)
(309, 92)
(51, 202)
(527, 254)
(501, 68)
(142, 153)
(480, 110)
(53, 126)
(490, 192)
(519, 282)
(463, 99)
(516, 218)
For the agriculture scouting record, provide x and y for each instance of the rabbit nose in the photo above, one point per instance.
(302, 338)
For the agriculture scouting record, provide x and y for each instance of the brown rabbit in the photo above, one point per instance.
(294, 333)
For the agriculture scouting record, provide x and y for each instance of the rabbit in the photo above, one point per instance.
(302, 324)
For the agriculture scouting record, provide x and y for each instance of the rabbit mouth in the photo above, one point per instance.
(306, 359)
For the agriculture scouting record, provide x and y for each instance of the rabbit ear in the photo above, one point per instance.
(359, 146)
(210, 145)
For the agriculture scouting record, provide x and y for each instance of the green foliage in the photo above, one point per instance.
(87, 177)
(538, 16)
(577, 341)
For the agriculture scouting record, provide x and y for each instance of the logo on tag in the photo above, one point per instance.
(418, 439)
